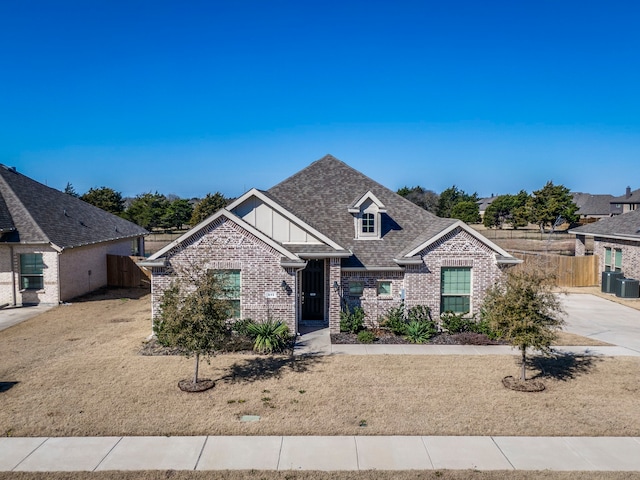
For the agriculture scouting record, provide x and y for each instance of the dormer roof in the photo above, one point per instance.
(356, 207)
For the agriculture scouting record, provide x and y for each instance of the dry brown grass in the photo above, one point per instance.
(314, 475)
(572, 339)
(78, 372)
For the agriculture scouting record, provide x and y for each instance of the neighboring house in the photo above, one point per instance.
(592, 207)
(616, 241)
(53, 246)
(484, 203)
(329, 236)
(628, 202)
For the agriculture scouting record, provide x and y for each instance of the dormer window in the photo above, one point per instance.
(368, 223)
(367, 217)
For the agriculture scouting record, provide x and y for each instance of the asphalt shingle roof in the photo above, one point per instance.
(321, 195)
(40, 214)
(589, 204)
(627, 224)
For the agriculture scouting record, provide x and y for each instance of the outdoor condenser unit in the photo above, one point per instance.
(627, 288)
(609, 281)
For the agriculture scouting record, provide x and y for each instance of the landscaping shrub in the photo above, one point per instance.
(395, 320)
(456, 322)
(420, 332)
(366, 336)
(270, 336)
(352, 321)
(419, 313)
(241, 327)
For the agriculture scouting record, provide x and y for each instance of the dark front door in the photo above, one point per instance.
(313, 290)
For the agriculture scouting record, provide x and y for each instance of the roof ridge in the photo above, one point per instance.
(19, 204)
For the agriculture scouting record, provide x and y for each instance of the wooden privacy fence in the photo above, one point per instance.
(124, 272)
(569, 271)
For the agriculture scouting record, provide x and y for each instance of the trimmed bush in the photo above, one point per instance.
(352, 321)
(366, 336)
(395, 320)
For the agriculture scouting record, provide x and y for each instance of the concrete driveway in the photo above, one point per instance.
(10, 316)
(595, 317)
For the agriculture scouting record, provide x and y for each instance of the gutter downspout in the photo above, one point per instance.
(13, 278)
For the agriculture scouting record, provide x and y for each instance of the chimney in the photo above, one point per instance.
(628, 192)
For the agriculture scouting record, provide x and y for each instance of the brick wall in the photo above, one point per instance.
(581, 246)
(225, 245)
(76, 263)
(630, 255)
(10, 276)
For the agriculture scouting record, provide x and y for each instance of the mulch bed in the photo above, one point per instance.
(518, 385)
(388, 338)
(203, 384)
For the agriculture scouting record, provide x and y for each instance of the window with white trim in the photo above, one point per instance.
(231, 285)
(455, 289)
(607, 259)
(384, 288)
(356, 288)
(31, 271)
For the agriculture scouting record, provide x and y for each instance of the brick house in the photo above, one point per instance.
(329, 236)
(53, 247)
(616, 241)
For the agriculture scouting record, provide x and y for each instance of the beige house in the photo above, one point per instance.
(328, 237)
(53, 247)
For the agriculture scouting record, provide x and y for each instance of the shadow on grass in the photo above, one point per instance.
(5, 386)
(111, 293)
(263, 368)
(562, 366)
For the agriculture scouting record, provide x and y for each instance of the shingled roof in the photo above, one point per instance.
(625, 226)
(31, 212)
(588, 204)
(321, 195)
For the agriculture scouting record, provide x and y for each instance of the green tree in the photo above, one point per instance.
(427, 199)
(178, 213)
(549, 203)
(194, 319)
(69, 190)
(148, 210)
(105, 198)
(207, 207)
(467, 211)
(450, 197)
(525, 310)
(509, 209)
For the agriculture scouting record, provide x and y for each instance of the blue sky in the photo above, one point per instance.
(193, 97)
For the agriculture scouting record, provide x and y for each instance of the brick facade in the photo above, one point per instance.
(225, 245)
(630, 255)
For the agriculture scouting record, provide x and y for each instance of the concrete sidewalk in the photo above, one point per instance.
(319, 453)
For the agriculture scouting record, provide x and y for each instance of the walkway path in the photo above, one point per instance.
(319, 453)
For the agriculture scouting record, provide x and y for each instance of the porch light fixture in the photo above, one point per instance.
(283, 286)
(336, 286)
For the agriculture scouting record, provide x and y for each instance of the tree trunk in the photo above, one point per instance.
(195, 374)
(523, 371)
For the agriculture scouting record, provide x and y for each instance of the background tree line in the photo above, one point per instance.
(542, 207)
(157, 211)
(154, 210)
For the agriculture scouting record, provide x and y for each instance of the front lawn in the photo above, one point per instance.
(76, 370)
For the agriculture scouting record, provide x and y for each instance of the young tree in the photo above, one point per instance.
(427, 199)
(207, 207)
(524, 309)
(549, 203)
(450, 197)
(467, 211)
(194, 319)
(148, 210)
(105, 198)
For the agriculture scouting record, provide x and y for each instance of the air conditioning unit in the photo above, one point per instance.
(627, 288)
(609, 280)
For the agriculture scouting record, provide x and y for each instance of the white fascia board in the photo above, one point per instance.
(233, 218)
(614, 236)
(369, 195)
(285, 213)
(467, 229)
(372, 269)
